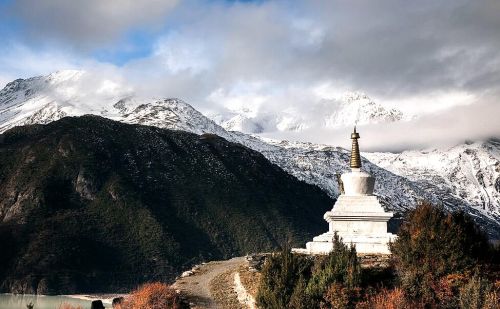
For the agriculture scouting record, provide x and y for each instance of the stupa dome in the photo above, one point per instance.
(358, 182)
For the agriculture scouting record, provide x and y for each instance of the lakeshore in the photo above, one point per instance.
(19, 301)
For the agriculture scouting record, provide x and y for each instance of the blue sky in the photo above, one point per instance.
(133, 41)
(138, 44)
(266, 56)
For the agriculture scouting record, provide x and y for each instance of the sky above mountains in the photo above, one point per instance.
(440, 59)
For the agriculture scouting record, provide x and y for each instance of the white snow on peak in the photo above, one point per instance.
(65, 76)
(73, 93)
(343, 111)
(358, 108)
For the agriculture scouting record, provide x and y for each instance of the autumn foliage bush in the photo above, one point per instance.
(387, 299)
(153, 296)
(340, 296)
(433, 244)
(432, 240)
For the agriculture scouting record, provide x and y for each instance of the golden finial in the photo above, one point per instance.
(355, 157)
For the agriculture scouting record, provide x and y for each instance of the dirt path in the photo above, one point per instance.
(196, 288)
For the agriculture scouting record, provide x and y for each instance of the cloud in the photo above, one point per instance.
(90, 22)
(444, 129)
(19, 61)
(425, 57)
(172, 53)
(389, 50)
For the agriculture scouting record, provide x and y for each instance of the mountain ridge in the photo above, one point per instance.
(88, 204)
(400, 186)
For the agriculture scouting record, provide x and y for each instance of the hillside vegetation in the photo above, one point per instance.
(439, 260)
(88, 204)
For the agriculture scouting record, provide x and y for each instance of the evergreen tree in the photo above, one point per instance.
(281, 273)
(341, 266)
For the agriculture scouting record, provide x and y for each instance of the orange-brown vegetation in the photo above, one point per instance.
(339, 296)
(388, 299)
(492, 300)
(153, 296)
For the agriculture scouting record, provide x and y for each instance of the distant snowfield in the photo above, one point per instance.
(463, 177)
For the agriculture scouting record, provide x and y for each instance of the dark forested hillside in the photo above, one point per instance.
(89, 204)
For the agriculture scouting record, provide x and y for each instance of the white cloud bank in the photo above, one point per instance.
(444, 129)
(441, 59)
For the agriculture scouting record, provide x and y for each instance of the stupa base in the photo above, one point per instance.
(365, 244)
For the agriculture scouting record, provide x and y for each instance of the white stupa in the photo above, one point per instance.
(357, 217)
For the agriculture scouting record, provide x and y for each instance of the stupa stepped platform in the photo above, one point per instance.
(365, 244)
(357, 217)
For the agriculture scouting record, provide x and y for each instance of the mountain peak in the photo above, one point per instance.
(43, 99)
(359, 108)
(344, 111)
(352, 96)
(64, 75)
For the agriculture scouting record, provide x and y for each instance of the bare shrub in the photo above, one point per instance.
(388, 299)
(153, 296)
(492, 300)
(478, 293)
(339, 296)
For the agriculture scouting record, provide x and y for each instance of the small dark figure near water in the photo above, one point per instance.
(30, 306)
(97, 304)
(117, 302)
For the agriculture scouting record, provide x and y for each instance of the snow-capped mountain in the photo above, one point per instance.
(358, 108)
(243, 123)
(73, 93)
(465, 177)
(349, 109)
(470, 172)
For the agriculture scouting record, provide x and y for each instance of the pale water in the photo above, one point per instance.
(10, 301)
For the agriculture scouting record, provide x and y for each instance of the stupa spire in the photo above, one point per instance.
(355, 156)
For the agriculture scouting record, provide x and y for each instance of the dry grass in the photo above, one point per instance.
(221, 288)
(389, 299)
(153, 296)
(250, 280)
(492, 300)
